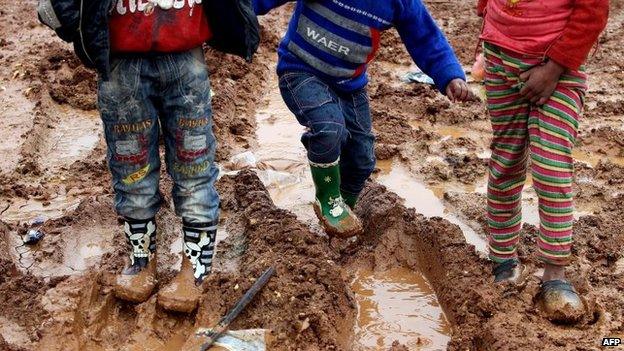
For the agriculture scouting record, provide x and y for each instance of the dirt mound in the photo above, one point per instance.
(308, 302)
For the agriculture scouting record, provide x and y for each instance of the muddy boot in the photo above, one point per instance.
(184, 291)
(335, 216)
(560, 302)
(136, 282)
(509, 271)
(349, 199)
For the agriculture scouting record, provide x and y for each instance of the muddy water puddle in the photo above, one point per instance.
(282, 160)
(56, 206)
(383, 317)
(394, 305)
(417, 195)
(16, 113)
(72, 253)
(74, 136)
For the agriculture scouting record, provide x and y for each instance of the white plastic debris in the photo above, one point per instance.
(243, 340)
(277, 179)
(245, 160)
(418, 76)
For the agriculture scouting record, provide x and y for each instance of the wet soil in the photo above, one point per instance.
(416, 279)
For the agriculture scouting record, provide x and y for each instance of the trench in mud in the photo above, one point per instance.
(398, 304)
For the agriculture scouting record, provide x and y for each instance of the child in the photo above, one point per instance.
(322, 70)
(153, 78)
(536, 86)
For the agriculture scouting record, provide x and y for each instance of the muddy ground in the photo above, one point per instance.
(56, 295)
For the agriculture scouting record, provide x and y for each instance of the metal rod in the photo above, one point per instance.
(216, 332)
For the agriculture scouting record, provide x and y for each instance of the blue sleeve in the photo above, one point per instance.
(426, 43)
(262, 7)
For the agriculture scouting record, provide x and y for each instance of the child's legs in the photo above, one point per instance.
(357, 160)
(318, 108)
(507, 168)
(131, 131)
(553, 129)
(187, 125)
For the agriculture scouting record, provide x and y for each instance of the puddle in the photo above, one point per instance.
(280, 150)
(81, 250)
(398, 304)
(74, 136)
(22, 210)
(16, 113)
(426, 201)
(593, 159)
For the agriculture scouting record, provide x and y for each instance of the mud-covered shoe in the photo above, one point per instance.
(509, 271)
(349, 199)
(184, 291)
(137, 281)
(336, 217)
(560, 302)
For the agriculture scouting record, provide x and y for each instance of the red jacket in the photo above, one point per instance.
(588, 19)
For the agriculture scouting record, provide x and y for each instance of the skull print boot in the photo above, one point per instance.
(336, 217)
(138, 279)
(184, 291)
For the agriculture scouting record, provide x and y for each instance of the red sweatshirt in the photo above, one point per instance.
(572, 27)
(137, 26)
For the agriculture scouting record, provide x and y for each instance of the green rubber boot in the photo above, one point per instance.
(335, 216)
(350, 199)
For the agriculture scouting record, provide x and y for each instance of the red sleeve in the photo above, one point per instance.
(588, 19)
(481, 4)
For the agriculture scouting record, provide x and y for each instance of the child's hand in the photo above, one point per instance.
(540, 82)
(458, 90)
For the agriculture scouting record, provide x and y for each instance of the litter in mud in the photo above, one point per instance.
(418, 77)
(212, 335)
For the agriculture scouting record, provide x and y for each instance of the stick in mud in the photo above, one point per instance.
(215, 333)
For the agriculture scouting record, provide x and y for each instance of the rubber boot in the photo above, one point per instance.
(350, 199)
(335, 216)
(560, 302)
(183, 292)
(137, 281)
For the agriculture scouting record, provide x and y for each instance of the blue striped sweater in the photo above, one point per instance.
(336, 39)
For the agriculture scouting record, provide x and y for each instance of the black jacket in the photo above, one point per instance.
(85, 24)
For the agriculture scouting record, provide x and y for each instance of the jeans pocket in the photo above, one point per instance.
(115, 94)
(306, 90)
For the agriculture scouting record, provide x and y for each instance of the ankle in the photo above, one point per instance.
(553, 272)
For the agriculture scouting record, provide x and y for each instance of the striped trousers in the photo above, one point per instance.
(545, 134)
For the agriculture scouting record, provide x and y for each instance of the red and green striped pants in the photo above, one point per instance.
(546, 135)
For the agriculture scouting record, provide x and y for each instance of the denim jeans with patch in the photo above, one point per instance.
(147, 95)
(338, 125)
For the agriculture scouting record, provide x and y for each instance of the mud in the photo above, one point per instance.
(416, 279)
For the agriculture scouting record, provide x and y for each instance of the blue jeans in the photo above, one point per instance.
(339, 125)
(168, 92)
